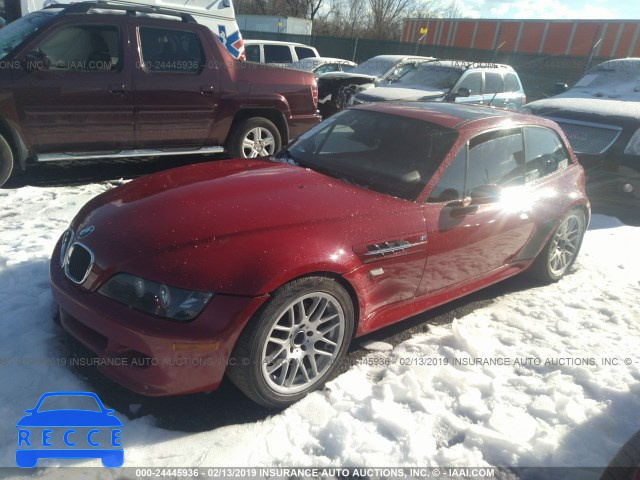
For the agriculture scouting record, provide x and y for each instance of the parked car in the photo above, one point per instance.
(85, 82)
(454, 81)
(271, 266)
(277, 53)
(600, 115)
(336, 88)
(218, 15)
(322, 65)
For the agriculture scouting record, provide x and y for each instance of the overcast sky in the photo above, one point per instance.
(594, 9)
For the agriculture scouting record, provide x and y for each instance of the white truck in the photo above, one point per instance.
(218, 15)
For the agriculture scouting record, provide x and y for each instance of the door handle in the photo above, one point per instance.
(206, 90)
(117, 88)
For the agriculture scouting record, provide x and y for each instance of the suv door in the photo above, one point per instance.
(175, 89)
(83, 102)
(473, 82)
(472, 230)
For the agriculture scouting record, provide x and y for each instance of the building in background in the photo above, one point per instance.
(274, 24)
(576, 38)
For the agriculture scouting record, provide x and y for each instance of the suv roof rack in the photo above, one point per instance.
(130, 8)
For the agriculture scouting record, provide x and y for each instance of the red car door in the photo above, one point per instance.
(83, 101)
(175, 88)
(478, 215)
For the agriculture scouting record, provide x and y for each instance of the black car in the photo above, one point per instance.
(600, 115)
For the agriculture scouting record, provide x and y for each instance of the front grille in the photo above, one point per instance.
(79, 263)
(592, 139)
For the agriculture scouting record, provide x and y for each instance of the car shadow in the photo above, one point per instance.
(82, 172)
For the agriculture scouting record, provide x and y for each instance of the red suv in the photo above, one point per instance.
(96, 80)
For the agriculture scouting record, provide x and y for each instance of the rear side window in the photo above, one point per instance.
(277, 54)
(545, 153)
(493, 83)
(170, 51)
(252, 53)
(94, 48)
(495, 158)
(473, 82)
(511, 83)
(303, 52)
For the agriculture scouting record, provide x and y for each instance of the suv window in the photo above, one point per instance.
(277, 54)
(511, 83)
(493, 83)
(83, 48)
(545, 153)
(303, 52)
(165, 50)
(252, 53)
(473, 82)
(496, 158)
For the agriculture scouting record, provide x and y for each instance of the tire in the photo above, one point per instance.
(6, 161)
(561, 251)
(255, 137)
(307, 322)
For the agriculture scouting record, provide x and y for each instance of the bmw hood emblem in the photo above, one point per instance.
(86, 231)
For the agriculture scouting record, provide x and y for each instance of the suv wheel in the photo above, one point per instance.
(255, 137)
(6, 161)
(295, 343)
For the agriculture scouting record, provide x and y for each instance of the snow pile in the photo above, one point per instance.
(538, 378)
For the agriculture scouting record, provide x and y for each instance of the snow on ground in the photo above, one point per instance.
(550, 402)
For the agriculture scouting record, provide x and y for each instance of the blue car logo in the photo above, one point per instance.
(88, 432)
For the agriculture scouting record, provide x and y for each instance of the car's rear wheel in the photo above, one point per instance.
(295, 343)
(6, 161)
(255, 137)
(561, 250)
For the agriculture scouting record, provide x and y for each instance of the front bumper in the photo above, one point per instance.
(613, 184)
(147, 354)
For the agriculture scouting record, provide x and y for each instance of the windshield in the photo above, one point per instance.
(428, 75)
(389, 154)
(16, 32)
(623, 80)
(375, 66)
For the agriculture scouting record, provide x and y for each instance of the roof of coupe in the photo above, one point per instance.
(454, 115)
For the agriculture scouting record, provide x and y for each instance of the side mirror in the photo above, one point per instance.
(489, 193)
(35, 60)
(559, 88)
(461, 92)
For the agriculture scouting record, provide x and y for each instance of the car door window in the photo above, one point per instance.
(511, 83)
(252, 53)
(545, 153)
(170, 51)
(93, 48)
(495, 158)
(473, 82)
(277, 54)
(493, 83)
(303, 52)
(451, 185)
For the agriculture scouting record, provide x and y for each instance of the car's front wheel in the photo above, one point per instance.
(561, 250)
(255, 137)
(295, 343)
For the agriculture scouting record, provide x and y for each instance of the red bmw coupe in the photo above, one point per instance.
(265, 269)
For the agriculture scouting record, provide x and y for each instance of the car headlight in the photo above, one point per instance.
(155, 298)
(633, 147)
